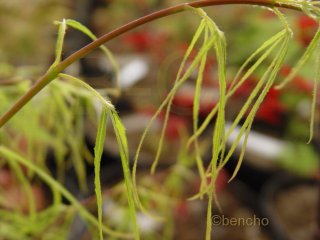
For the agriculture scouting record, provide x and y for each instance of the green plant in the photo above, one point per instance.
(270, 55)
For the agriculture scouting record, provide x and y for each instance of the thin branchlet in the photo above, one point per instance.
(52, 73)
(214, 39)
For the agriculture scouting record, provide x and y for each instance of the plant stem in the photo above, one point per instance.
(53, 72)
(317, 231)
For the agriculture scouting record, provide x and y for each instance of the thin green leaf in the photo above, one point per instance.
(237, 168)
(87, 86)
(123, 149)
(166, 101)
(166, 118)
(269, 76)
(275, 40)
(196, 105)
(66, 115)
(59, 43)
(302, 61)
(219, 44)
(313, 117)
(98, 150)
(269, 45)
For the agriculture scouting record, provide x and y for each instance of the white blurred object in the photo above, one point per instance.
(208, 94)
(132, 72)
(261, 149)
(118, 215)
(136, 123)
(147, 224)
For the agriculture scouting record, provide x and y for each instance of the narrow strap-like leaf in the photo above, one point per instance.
(123, 149)
(302, 61)
(59, 43)
(98, 150)
(313, 117)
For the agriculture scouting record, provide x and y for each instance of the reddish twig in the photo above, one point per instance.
(53, 72)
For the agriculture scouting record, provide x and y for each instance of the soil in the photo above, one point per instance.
(13, 196)
(296, 208)
(194, 227)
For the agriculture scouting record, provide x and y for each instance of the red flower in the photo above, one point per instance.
(246, 88)
(307, 27)
(183, 100)
(139, 40)
(222, 180)
(182, 210)
(299, 83)
(285, 70)
(302, 85)
(271, 109)
(175, 125)
(220, 183)
(143, 40)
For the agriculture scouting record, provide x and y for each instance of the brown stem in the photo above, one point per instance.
(317, 230)
(53, 72)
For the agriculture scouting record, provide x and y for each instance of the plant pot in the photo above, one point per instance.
(290, 204)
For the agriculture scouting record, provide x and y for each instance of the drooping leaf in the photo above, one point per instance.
(166, 118)
(123, 149)
(59, 43)
(196, 106)
(303, 60)
(313, 117)
(171, 94)
(271, 43)
(98, 150)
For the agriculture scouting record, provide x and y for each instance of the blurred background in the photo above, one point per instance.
(277, 181)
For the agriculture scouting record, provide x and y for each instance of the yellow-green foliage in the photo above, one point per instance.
(54, 118)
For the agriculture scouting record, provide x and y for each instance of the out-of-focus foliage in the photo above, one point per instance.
(26, 30)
